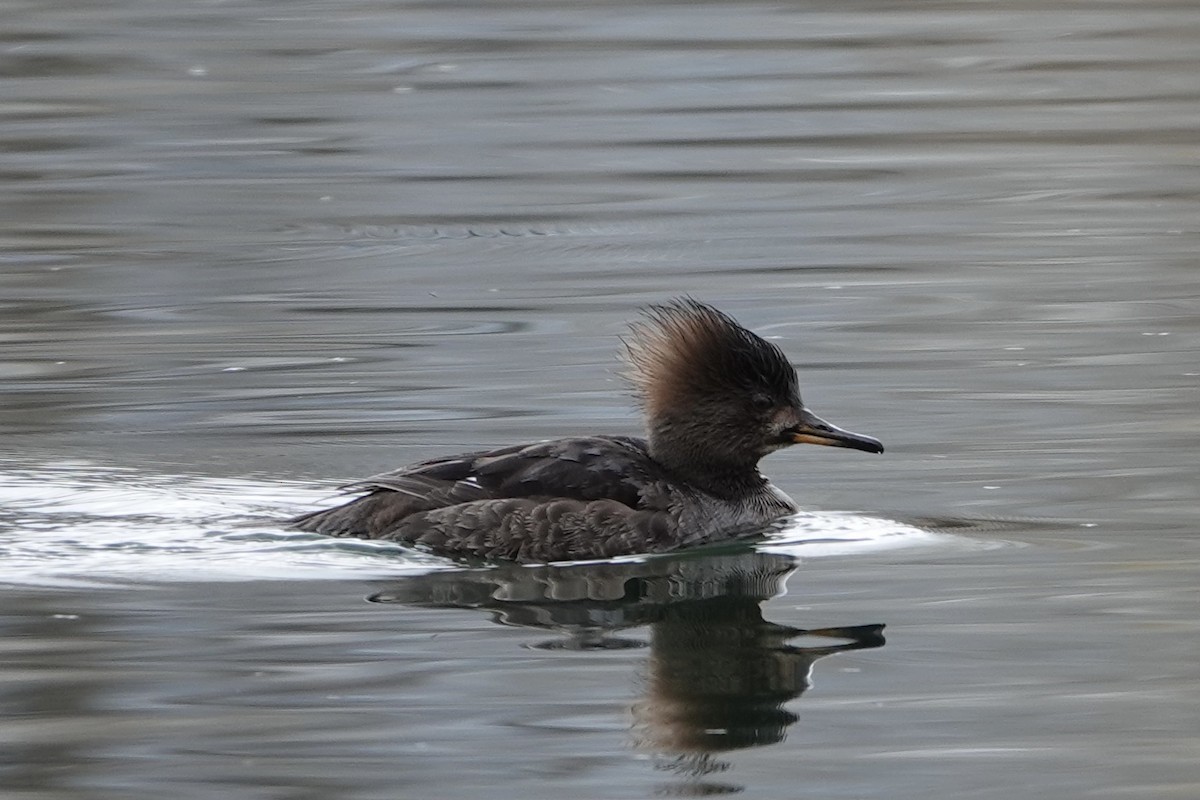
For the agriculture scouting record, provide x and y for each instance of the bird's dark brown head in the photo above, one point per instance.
(718, 397)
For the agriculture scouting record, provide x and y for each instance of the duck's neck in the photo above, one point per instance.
(695, 460)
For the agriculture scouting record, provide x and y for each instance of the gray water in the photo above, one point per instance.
(249, 251)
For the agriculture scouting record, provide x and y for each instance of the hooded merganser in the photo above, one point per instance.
(716, 398)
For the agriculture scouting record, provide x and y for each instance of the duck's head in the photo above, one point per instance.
(717, 397)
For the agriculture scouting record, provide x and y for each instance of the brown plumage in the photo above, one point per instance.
(716, 397)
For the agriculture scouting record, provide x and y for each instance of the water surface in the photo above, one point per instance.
(249, 252)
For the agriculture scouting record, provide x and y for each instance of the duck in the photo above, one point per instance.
(716, 398)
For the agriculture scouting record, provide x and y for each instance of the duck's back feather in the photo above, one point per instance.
(585, 497)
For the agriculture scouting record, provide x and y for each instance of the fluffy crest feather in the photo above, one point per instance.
(685, 352)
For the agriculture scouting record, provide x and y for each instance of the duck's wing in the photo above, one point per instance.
(582, 469)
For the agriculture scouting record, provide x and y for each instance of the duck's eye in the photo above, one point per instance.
(761, 402)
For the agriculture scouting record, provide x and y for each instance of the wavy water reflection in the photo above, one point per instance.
(718, 676)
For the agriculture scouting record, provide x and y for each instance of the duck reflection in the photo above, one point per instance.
(718, 676)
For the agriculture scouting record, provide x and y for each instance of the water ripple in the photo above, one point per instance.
(72, 523)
